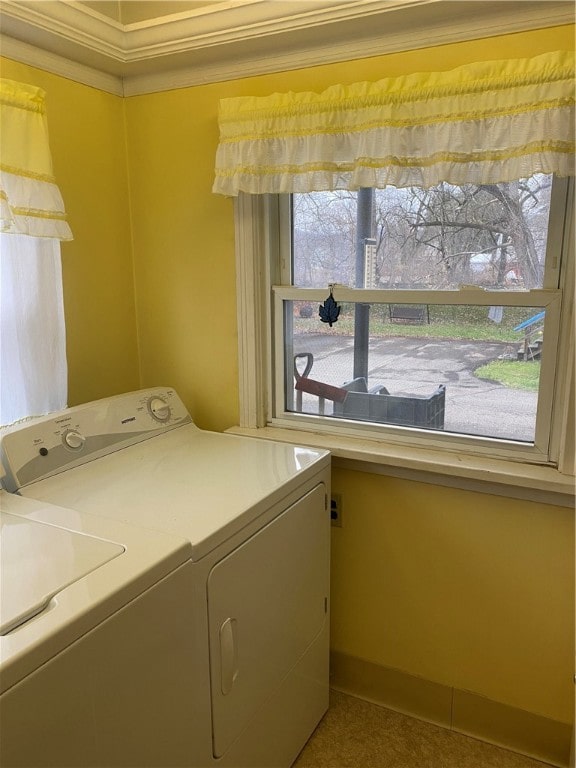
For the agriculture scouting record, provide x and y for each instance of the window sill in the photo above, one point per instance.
(480, 474)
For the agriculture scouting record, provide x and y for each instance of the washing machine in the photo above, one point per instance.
(235, 652)
(78, 652)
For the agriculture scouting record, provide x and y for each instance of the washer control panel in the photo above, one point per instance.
(62, 440)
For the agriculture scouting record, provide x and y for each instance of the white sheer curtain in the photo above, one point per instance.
(33, 370)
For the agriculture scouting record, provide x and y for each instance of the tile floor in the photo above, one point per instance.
(357, 734)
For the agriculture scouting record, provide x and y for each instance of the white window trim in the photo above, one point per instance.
(256, 219)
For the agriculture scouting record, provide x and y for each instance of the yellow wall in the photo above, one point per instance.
(469, 590)
(86, 129)
(184, 253)
(465, 589)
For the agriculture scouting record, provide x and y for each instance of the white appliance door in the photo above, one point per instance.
(267, 602)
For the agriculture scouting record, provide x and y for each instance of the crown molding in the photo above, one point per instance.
(216, 24)
(59, 65)
(194, 48)
(252, 19)
(43, 23)
(458, 30)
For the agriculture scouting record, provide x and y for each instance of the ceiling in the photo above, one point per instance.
(132, 12)
(140, 46)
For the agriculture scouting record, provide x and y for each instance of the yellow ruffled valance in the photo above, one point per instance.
(478, 124)
(30, 201)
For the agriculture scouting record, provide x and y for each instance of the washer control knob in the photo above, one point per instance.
(73, 439)
(159, 409)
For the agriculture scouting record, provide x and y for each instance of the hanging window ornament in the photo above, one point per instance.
(330, 310)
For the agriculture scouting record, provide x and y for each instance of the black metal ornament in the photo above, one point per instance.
(329, 311)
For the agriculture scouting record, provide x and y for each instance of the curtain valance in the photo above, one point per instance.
(30, 201)
(481, 123)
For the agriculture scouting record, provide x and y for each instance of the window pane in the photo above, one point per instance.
(493, 236)
(472, 370)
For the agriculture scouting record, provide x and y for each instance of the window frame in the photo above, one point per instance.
(263, 261)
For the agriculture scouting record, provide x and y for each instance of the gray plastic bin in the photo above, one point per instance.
(379, 405)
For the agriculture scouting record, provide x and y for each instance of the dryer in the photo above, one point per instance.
(253, 516)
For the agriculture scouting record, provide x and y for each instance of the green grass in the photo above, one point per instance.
(510, 373)
(445, 330)
(446, 322)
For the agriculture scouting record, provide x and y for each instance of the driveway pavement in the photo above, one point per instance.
(417, 366)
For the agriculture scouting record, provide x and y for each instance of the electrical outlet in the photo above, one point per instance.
(336, 510)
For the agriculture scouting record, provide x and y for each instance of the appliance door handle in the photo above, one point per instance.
(228, 655)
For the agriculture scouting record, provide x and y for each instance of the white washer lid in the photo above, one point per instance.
(38, 561)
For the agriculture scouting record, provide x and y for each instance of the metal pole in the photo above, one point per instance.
(364, 218)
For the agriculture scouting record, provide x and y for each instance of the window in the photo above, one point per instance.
(446, 280)
(453, 318)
